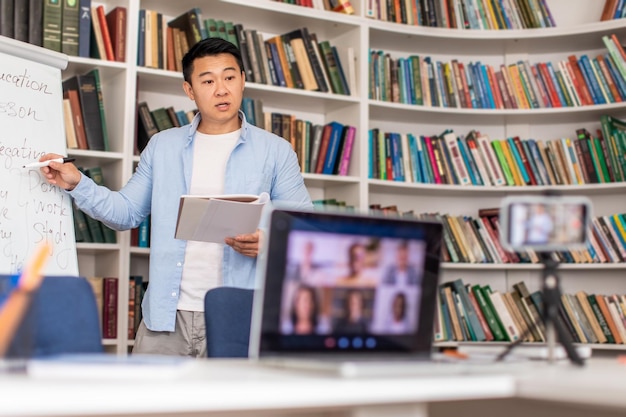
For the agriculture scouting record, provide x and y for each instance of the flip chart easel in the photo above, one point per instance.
(31, 124)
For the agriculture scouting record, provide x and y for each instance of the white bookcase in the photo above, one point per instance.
(578, 31)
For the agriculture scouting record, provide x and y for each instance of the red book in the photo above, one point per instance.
(116, 24)
(583, 88)
(171, 55)
(468, 98)
(609, 78)
(109, 308)
(509, 87)
(609, 10)
(495, 239)
(481, 317)
(619, 46)
(77, 115)
(106, 36)
(547, 80)
(433, 160)
(543, 93)
(321, 157)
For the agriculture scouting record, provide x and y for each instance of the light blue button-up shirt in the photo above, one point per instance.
(260, 162)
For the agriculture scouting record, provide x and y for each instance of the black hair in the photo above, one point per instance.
(209, 47)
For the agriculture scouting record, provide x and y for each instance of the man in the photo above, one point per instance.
(218, 153)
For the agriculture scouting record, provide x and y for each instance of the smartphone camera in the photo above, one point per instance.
(544, 223)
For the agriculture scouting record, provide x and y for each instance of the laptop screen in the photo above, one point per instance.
(343, 282)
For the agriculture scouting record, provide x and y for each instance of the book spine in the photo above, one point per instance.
(110, 308)
(347, 151)
(144, 233)
(52, 21)
(35, 22)
(70, 27)
(116, 22)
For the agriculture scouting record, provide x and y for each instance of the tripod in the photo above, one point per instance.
(551, 298)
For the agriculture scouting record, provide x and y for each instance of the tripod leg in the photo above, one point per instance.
(566, 341)
(552, 297)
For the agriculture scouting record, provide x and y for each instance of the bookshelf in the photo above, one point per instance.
(578, 31)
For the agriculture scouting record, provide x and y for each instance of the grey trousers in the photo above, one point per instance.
(188, 338)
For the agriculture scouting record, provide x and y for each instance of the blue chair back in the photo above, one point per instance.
(62, 318)
(228, 311)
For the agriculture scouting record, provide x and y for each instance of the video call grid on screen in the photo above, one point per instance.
(351, 284)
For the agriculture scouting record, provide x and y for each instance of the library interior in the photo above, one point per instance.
(391, 207)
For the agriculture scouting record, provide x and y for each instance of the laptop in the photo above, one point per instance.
(345, 292)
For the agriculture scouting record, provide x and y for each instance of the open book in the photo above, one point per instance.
(214, 218)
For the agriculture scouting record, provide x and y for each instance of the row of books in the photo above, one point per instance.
(136, 290)
(86, 228)
(477, 160)
(613, 9)
(295, 59)
(83, 112)
(140, 236)
(571, 82)
(332, 204)
(340, 6)
(106, 292)
(74, 27)
(478, 313)
(162, 43)
(321, 149)
(464, 14)
(469, 239)
(150, 122)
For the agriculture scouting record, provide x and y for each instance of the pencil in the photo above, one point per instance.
(17, 303)
(31, 277)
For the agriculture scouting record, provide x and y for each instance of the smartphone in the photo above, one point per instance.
(544, 223)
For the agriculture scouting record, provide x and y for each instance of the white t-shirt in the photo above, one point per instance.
(203, 260)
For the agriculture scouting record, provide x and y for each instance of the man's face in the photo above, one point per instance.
(216, 86)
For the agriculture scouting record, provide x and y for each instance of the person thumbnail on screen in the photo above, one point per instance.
(354, 312)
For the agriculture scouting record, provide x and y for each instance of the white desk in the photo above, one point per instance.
(235, 387)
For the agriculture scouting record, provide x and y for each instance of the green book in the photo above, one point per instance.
(221, 29)
(382, 156)
(162, 119)
(210, 26)
(617, 144)
(607, 125)
(473, 323)
(108, 234)
(497, 328)
(506, 169)
(331, 67)
(417, 79)
(81, 228)
(52, 20)
(231, 33)
(69, 27)
(105, 134)
(93, 225)
(600, 317)
(563, 88)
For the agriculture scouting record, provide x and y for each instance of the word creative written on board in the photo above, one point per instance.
(31, 210)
